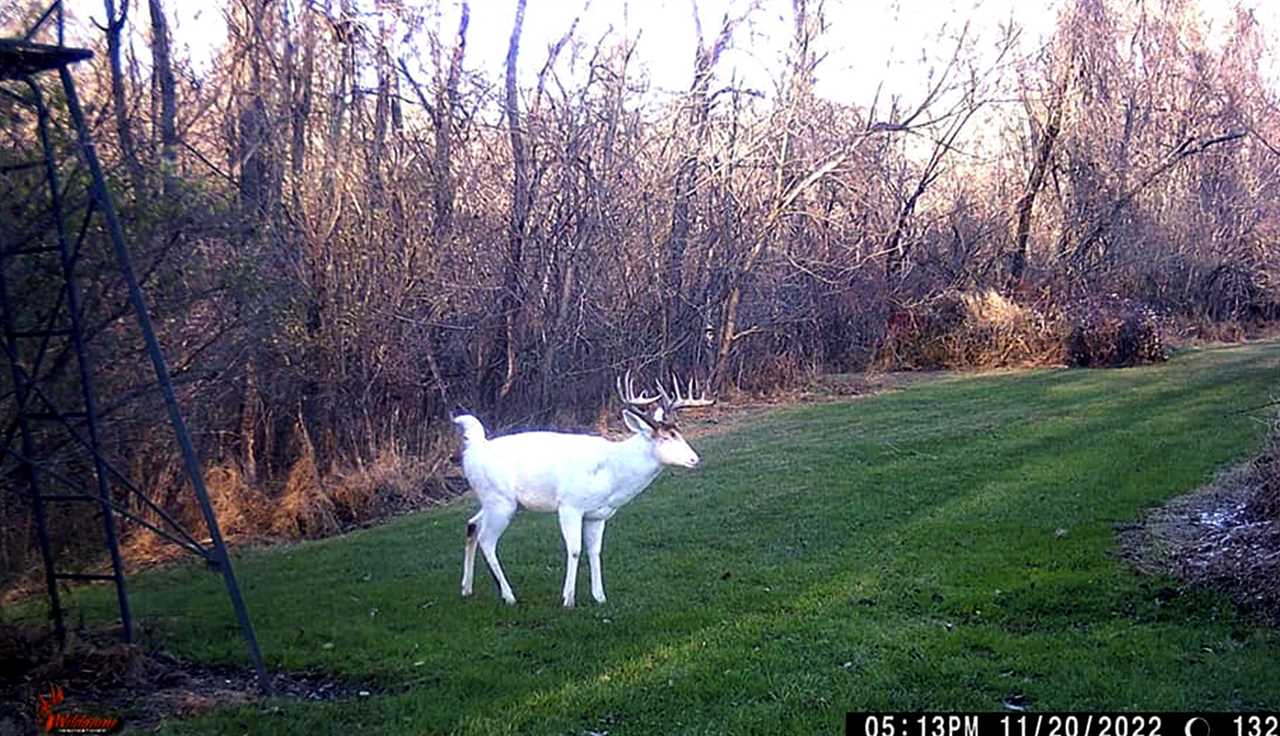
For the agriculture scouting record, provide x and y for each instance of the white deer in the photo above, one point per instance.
(585, 479)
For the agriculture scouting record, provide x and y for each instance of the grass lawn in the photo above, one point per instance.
(943, 547)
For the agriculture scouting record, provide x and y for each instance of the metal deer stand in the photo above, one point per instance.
(45, 341)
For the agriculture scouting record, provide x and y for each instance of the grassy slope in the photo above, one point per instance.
(939, 548)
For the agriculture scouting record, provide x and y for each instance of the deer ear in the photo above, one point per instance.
(635, 423)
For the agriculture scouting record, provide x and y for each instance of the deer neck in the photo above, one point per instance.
(634, 466)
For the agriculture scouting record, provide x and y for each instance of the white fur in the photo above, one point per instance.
(583, 478)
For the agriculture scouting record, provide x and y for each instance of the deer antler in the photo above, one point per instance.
(627, 392)
(681, 401)
(637, 405)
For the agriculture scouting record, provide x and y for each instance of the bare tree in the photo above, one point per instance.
(442, 108)
(119, 103)
(521, 193)
(787, 186)
(676, 326)
(162, 69)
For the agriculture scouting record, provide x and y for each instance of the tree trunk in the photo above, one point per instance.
(446, 103)
(119, 103)
(163, 71)
(1035, 182)
(896, 253)
(382, 105)
(520, 195)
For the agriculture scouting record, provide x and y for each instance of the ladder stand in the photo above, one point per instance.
(47, 343)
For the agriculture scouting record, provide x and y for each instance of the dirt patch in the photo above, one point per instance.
(1213, 537)
(103, 677)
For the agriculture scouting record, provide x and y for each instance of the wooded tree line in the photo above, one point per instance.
(349, 230)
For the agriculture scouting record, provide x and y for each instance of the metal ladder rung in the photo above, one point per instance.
(53, 333)
(29, 251)
(50, 416)
(23, 166)
(82, 576)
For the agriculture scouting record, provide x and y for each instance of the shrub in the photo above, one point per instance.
(1114, 332)
(971, 329)
(1265, 502)
(392, 482)
(306, 509)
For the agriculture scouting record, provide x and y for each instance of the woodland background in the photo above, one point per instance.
(346, 230)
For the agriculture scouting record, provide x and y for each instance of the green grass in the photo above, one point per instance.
(943, 547)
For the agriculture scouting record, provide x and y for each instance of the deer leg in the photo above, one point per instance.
(593, 538)
(492, 524)
(571, 528)
(469, 552)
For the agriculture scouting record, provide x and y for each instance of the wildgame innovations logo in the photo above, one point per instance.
(49, 720)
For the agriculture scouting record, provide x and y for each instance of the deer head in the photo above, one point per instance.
(669, 446)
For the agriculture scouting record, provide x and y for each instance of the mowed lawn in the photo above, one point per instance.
(947, 546)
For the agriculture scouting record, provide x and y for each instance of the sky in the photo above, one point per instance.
(868, 43)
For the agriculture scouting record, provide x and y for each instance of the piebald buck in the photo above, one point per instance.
(584, 479)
